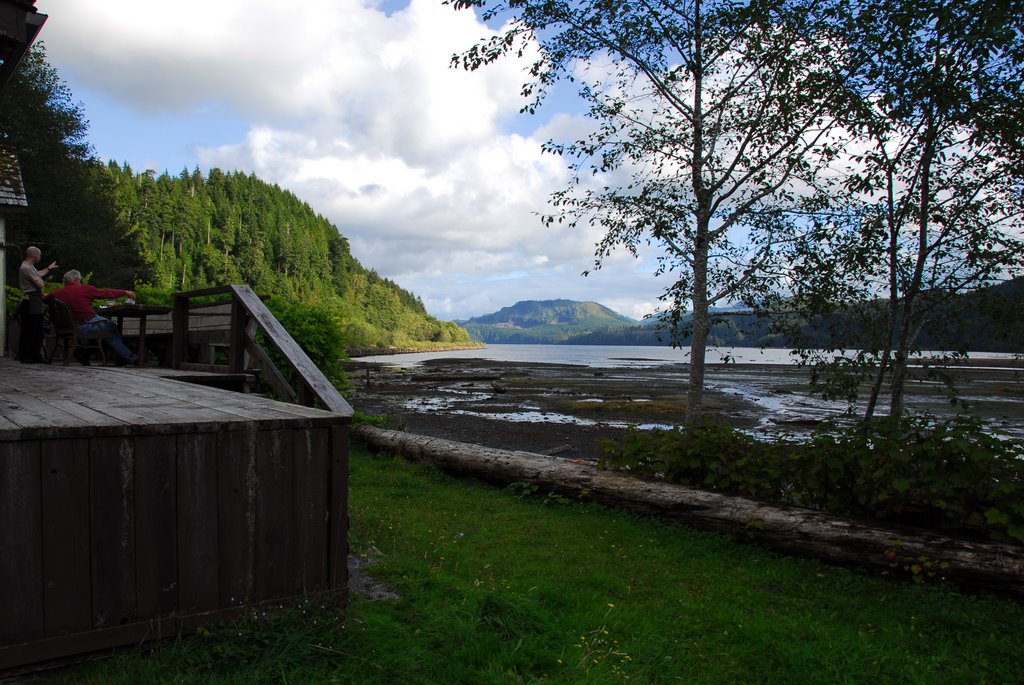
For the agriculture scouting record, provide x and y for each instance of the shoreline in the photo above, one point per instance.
(390, 351)
(568, 409)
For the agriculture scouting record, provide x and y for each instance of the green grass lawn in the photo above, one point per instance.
(503, 586)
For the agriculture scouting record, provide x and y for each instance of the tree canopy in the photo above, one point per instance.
(934, 204)
(816, 153)
(711, 123)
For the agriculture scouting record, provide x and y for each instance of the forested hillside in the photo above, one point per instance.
(159, 233)
(986, 320)
(545, 321)
(189, 231)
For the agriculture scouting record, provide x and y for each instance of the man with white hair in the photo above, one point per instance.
(78, 297)
(30, 281)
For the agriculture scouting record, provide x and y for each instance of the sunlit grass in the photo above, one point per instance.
(508, 586)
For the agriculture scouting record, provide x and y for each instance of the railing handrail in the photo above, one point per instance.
(248, 312)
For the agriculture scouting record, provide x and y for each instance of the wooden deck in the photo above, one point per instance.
(135, 505)
(51, 401)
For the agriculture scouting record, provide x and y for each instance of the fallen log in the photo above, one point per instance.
(971, 564)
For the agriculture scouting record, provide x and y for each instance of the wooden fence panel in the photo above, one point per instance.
(156, 532)
(236, 516)
(67, 597)
(338, 511)
(310, 461)
(21, 543)
(112, 523)
(273, 513)
(146, 518)
(198, 587)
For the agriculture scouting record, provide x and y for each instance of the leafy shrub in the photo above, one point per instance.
(714, 457)
(148, 294)
(14, 297)
(960, 475)
(316, 331)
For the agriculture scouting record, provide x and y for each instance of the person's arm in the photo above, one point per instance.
(42, 273)
(95, 293)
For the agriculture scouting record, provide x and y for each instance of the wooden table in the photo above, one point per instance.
(134, 311)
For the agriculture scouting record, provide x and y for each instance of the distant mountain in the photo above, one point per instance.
(988, 320)
(568, 322)
(546, 321)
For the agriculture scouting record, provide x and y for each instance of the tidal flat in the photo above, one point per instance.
(567, 410)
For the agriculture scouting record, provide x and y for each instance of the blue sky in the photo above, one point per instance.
(431, 172)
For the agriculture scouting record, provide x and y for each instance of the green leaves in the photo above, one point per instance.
(709, 123)
(959, 475)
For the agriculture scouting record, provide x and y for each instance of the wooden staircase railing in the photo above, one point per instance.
(248, 315)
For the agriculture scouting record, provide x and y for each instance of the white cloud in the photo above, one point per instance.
(359, 114)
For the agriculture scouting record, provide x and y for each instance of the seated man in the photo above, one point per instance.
(78, 297)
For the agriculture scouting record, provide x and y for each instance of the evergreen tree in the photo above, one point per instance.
(69, 214)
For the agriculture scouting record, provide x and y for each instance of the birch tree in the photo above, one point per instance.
(712, 121)
(936, 206)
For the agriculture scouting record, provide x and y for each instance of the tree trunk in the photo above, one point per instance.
(916, 282)
(899, 381)
(876, 386)
(892, 256)
(800, 532)
(702, 224)
(698, 344)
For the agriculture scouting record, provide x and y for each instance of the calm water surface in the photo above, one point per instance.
(605, 356)
(609, 356)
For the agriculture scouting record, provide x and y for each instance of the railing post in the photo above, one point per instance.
(239, 322)
(306, 395)
(179, 338)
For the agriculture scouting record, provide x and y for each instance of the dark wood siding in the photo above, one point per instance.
(110, 540)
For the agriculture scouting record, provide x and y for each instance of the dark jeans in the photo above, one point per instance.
(30, 344)
(98, 324)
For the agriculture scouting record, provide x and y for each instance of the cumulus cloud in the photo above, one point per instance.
(357, 111)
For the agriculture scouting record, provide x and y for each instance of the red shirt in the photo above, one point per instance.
(79, 296)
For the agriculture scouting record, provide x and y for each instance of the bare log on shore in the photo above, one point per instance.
(792, 530)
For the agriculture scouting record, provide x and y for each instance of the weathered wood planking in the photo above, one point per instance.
(67, 578)
(112, 522)
(67, 402)
(134, 507)
(236, 516)
(214, 317)
(21, 526)
(274, 513)
(198, 556)
(156, 482)
(310, 459)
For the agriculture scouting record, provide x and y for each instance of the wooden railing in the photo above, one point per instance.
(246, 316)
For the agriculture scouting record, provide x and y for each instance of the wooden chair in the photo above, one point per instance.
(65, 330)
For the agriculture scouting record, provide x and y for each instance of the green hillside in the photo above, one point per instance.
(159, 233)
(984, 321)
(190, 231)
(546, 321)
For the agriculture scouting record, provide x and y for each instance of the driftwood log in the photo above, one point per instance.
(972, 564)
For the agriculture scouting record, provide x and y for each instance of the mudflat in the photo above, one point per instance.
(567, 410)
